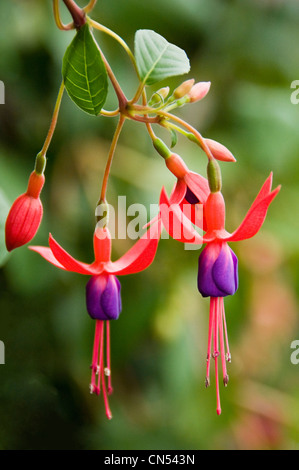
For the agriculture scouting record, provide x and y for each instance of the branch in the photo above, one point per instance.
(77, 13)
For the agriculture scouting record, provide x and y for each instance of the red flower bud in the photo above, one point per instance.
(176, 165)
(219, 151)
(25, 215)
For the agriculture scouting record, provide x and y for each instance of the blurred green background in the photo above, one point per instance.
(249, 51)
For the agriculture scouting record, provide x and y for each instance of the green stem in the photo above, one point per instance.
(190, 129)
(122, 100)
(110, 157)
(59, 23)
(53, 121)
(90, 6)
(115, 36)
(138, 93)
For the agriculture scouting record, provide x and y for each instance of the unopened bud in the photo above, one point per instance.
(25, 215)
(199, 91)
(219, 151)
(159, 96)
(176, 165)
(183, 89)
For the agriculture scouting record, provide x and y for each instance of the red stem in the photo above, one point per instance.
(77, 13)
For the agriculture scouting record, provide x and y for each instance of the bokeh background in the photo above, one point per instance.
(249, 51)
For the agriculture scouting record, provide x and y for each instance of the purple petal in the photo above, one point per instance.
(217, 271)
(103, 299)
(110, 300)
(224, 271)
(205, 281)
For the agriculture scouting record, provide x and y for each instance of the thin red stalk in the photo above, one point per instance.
(222, 348)
(211, 321)
(216, 354)
(228, 354)
(77, 13)
(94, 365)
(105, 396)
(108, 358)
(101, 357)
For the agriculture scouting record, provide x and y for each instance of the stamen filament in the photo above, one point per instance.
(216, 354)
(108, 359)
(94, 365)
(228, 354)
(101, 357)
(222, 348)
(211, 322)
(105, 396)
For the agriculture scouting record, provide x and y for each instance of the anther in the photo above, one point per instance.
(228, 357)
(226, 380)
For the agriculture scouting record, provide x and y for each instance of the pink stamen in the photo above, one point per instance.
(101, 357)
(211, 322)
(216, 354)
(94, 365)
(222, 348)
(228, 354)
(108, 358)
(97, 367)
(105, 396)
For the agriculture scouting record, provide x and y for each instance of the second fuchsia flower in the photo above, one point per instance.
(103, 298)
(217, 264)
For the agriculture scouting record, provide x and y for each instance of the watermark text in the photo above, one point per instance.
(2, 353)
(2, 93)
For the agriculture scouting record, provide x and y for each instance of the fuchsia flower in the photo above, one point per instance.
(218, 264)
(187, 198)
(103, 299)
(25, 215)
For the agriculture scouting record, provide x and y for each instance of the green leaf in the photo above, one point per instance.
(84, 73)
(4, 209)
(157, 59)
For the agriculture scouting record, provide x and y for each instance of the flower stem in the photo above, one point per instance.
(60, 25)
(90, 6)
(77, 13)
(110, 157)
(138, 93)
(53, 121)
(111, 33)
(122, 100)
(190, 129)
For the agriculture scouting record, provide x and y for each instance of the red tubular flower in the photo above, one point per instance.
(25, 215)
(103, 290)
(187, 198)
(218, 265)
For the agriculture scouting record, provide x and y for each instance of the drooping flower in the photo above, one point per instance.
(103, 299)
(25, 215)
(188, 195)
(218, 264)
